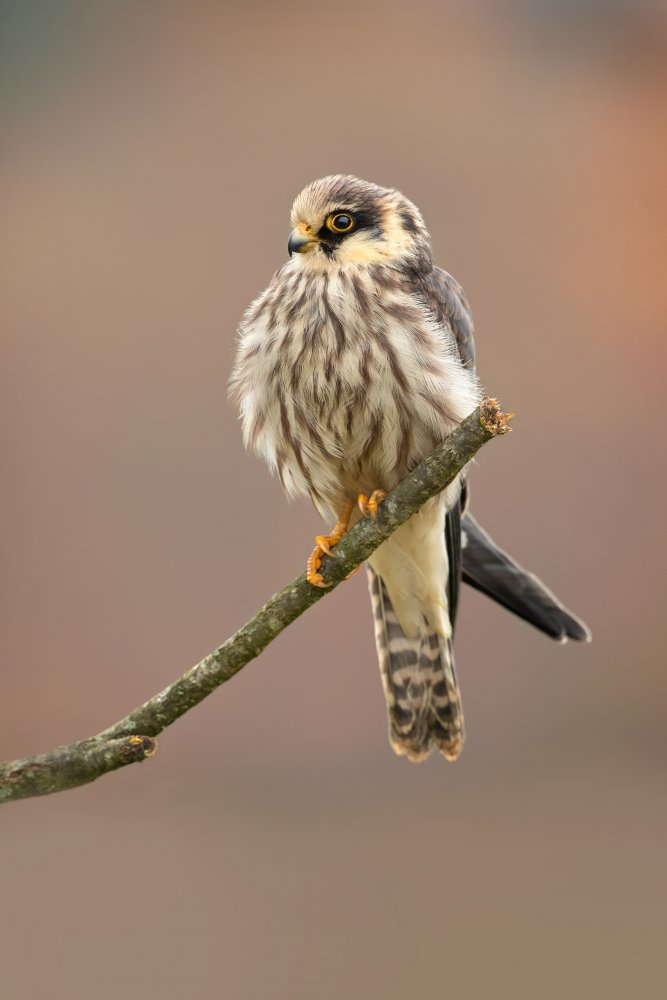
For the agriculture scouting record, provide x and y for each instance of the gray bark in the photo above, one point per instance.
(132, 739)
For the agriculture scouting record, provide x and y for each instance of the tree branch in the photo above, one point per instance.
(133, 738)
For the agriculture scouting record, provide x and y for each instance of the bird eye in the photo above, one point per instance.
(340, 223)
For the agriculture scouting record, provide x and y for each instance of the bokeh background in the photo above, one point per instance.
(275, 847)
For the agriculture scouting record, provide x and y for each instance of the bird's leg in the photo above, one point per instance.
(324, 544)
(369, 505)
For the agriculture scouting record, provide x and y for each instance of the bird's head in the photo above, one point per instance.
(341, 220)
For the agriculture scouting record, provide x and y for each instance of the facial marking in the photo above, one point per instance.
(355, 222)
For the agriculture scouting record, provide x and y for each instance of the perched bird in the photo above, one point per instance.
(353, 365)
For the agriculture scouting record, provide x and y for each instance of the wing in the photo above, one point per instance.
(453, 545)
(447, 302)
(474, 556)
(487, 568)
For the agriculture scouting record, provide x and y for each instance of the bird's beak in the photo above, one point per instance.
(301, 240)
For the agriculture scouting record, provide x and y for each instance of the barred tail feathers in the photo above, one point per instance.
(419, 680)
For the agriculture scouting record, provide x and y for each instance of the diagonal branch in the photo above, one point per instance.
(133, 738)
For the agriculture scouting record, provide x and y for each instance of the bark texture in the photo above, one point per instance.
(132, 739)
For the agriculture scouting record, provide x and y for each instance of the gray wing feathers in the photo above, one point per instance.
(453, 544)
(486, 566)
(448, 303)
(419, 680)
(492, 571)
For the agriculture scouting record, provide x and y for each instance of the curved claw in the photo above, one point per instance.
(324, 545)
(369, 505)
(313, 574)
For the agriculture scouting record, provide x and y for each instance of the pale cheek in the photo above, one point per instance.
(362, 253)
(361, 249)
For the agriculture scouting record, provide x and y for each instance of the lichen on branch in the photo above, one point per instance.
(132, 739)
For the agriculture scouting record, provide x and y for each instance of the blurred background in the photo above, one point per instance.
(275, 847)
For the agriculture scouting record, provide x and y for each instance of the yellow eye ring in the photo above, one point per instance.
(340, 222)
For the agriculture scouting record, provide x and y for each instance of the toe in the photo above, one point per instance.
(325, 543)
(313, 575)
(374, 502)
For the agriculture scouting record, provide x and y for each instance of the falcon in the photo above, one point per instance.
(351, 367)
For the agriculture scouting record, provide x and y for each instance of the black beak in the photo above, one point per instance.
(299, 243)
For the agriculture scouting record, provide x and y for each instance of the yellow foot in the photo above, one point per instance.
(313, 574)
(369, 505)
(324, 545)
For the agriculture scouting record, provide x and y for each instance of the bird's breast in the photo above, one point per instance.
(344, 385)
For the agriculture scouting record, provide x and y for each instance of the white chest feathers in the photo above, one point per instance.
(345, 381)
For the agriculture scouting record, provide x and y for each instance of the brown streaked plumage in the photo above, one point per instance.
(352, 366)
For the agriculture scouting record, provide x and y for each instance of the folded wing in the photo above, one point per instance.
(489, 569)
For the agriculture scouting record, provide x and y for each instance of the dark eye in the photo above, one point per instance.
(341, 222)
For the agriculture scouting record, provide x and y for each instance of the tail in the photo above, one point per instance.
(423, 700)
(487, 568)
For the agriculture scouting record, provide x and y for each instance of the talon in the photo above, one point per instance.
(353, 572)
(369, 505)
(313, 575)
(374, 501)
(324, 545)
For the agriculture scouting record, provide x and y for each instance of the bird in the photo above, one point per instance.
(354, 363)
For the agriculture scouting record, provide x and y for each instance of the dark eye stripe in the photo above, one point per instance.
(367, 218)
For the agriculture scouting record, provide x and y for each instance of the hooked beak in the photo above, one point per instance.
(301, 241)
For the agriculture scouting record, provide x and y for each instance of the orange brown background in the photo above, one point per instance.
(275, 847)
